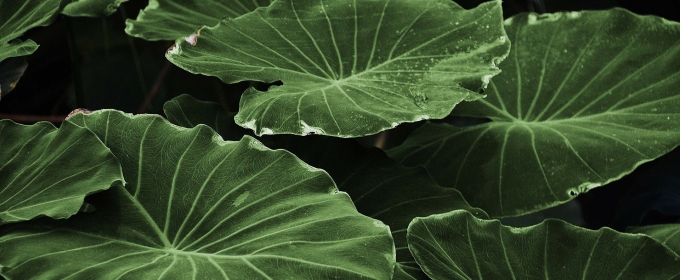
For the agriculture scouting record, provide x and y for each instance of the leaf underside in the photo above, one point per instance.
(350, 68)
(584, 98)
(457, 245)
(196, 207)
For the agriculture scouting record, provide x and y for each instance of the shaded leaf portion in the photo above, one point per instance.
(584, 98)
(350, 68)
(17, 17)
(380, 187)
(200, 207)
(45, 171)
(457, 245)
(172, 19)
(666, 234)
(11, 70)
(91, 8)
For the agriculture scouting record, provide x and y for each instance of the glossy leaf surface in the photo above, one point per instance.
(457, 245)
(91, 8)
(584, 98)
(380, 187)
(197, 207)
(16, 17)
(45, 171)
(172, 19)
(350, 68)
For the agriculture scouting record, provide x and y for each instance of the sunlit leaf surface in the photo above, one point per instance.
(350, 68)
(91, 8)
(583, 99)
(45, 171)
(172, 19)
(197, 207)
(457, 245)
(380, 187)
(16, 17)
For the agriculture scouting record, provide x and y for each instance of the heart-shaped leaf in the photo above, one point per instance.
(16, 17)
(91, 8)
(45, 171)
(199, 207)
(172, 19)
(380, 187)
(457, 245)
(350, 68)
(584, 98)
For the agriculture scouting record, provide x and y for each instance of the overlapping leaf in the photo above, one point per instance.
(457, 245)
(584, 98)
(91, 8)
(666, 234)
(172, 19)
(198, 207)
(350, 68)
(45, 171)
(11, 70)
(16, 17)
(380, 188)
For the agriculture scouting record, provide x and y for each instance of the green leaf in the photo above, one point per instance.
(172, 19)
(584, 98)
(380, 187)
(199, 207)
(17, 17)
(45, 171)
(350, 68)
(11, 70)
(457, 245)
(666, 234)
(91, 8)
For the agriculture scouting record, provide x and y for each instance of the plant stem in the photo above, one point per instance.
(75, 63)
(154, 89)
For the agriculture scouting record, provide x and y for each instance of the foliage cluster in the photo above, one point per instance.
(560, 104)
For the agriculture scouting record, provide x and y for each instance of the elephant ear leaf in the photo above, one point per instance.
(91, 8)
(195, 207)
(45, 171)
(172, 19)
(584, 98)
(17, 17)
(350, 68)
(457, 245)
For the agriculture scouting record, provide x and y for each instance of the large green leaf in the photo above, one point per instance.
(666, 234)
(350, 68)
(380, 187)
(457, 245)
(91, 8)
(172, 19)
(45, 171)
(584, 98)
(199, 207)
(17, 17)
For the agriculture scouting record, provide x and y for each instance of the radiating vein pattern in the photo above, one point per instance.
(17, 17)
(172, 19)
(583, 99)
(204, 208)
(457, 245)
(49, 171)
(350, 68)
